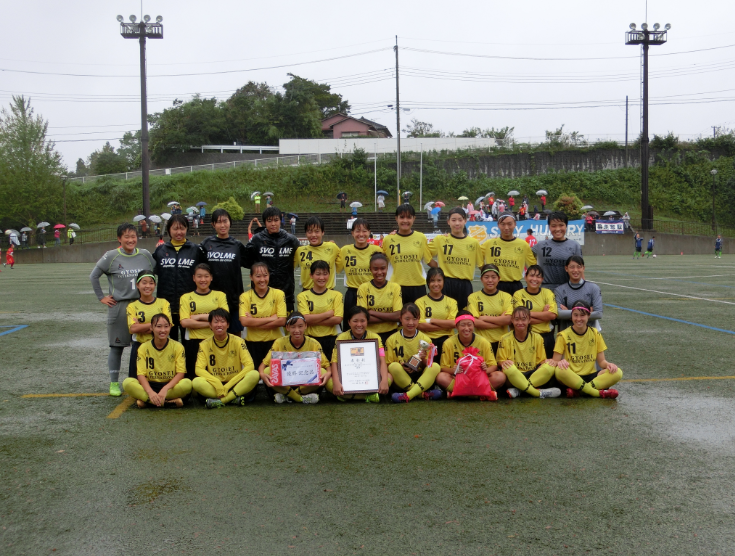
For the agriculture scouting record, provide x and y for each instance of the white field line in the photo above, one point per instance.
(666, 293)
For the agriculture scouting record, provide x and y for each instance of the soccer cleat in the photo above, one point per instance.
(609, 393)
(115, 389)
(513, 393)
(213, 403)
(549, 392)
(432, 395)
(280, 398)
(400, 397)
(310, 398)
(244, 400)
(572, 393)
(373, 398)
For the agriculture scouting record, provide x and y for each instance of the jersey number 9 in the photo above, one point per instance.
(192, 306)
(149, 362)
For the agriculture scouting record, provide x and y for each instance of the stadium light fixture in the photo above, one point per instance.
(120, 18)
(644, 26)
(133, 19)
(147, 18)
(632, 26)
(656, 26)
(667, 26)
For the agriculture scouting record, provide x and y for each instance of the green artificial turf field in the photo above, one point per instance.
(649, 473)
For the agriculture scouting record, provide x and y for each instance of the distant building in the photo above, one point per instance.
(342, 126)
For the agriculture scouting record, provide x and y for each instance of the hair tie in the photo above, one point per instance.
(463, 317)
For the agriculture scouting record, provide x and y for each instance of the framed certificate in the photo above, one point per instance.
(358, 366)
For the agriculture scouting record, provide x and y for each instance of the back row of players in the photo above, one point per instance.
(199, 286)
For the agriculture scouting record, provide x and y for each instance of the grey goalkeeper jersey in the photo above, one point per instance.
(552, 256)
(121, 270)
(567, 294)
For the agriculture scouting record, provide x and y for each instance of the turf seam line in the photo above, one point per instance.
(671, 319)
(80, 395)
(665, 293)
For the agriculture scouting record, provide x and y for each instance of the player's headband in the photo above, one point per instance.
(463, 317)
(580, 308)
(293, 318)
(490, 268)
(504, 216)
(146, 276)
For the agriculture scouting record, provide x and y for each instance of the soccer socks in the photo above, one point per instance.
(400, 376)
(403, 380)
(246, 385)
(606, 380)
(516, 378)
(114, 359)
(602, 382)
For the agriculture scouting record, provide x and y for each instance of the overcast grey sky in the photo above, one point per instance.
(448, 86)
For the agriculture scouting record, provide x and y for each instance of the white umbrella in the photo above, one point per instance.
(587, 207)
(428, 205)
(355, 204)
(609, 213)
(155, 218)
(409, 193)
(165, 215)
(139, 218)
(541, 192)
(10, 232)
(254, 194)
(42, 224)
(75, 226)
(192, 209)
(462, 198)
(513, 193)
(172, 203)
(491, 194)
(27, 229)
(477, 201)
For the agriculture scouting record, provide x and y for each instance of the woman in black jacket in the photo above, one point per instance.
(175, 262)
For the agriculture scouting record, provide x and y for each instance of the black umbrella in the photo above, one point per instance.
(547, 211)
(382, 192)
(339, 195)
(290, 214)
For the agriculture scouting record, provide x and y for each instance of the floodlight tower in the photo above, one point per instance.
(141, 31)
(645, 38)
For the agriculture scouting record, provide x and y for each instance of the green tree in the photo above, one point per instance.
(417, 128)
(130, 150)
(247, 114)
(82, 169)
(569, 204)
(329, 103)
(30, 167)
(231, 206)
(560, 138)
(106, 161)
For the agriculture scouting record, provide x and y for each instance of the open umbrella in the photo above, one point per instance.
(139, 218)
(382, 192)
(59, 226)
(27, 229)
(11, 232)
(201, 204)
(155, 218)
(254, 194)
(513, 193)
(474, 212)
(594, 213)
(355, 204)
(610, 213)
(42, 224)
(165, 215)
(269, 194)
(172, 203)
(290, 214)
(541, 192)
(427, 206)
(462, 198)
(440, 204)
(409, 193)
(491, 194)
(587, 207)
(436, 210)
(477, 201)
(339, 195)
(547, 211)
(192, 209)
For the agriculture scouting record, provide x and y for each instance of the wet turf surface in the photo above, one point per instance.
(648, 473)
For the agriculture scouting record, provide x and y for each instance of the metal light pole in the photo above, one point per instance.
(141, 31)
(645, 37)
(714, 223)
(375, 176)
(398, 127)
(421, 177)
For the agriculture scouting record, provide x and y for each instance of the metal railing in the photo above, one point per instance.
(686, 228)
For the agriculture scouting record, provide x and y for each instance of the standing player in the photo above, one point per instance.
(542, 304)
(437, 310)
(224, 368)
(552, 254)
(458, 256)
(718, 248)
(649, 247)
(490, 307)
(276, 248)
(531, 239)
(381, 298)
(140, 314)
(121, 266)
(405, 251)
(226, 256)
(355, 260)
(194, 310)
(10, 257)
(509, 253)
(322, 308)
(638, 245)
(577, 289)
(581, 346)
(317, 250)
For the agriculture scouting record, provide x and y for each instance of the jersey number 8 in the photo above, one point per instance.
(212, 360)
(427, 311)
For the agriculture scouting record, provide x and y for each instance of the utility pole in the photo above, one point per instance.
(645, 37)
(63, 186)
(626, 131)
(398, 127)
(714, 132)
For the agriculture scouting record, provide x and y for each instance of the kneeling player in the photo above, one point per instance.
(452, 352)
(297, 340)
(400, 348)
(581, 346)
(522, 357)
(224, 368)
(161, 369)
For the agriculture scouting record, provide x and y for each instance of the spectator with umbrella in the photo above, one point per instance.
(202, 210)
(57, 234)
(255, 197)
(342, 196)
(355, 205)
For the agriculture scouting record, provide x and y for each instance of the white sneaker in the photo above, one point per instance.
(513, 393)
(280, 398)
(549, 392)
(310, 398)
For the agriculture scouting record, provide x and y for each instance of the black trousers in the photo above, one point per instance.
(510, 287)
(459, 290)
(259, 351)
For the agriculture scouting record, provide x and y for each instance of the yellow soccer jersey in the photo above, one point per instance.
(510, 256)
(223, 361)
(405, 254)
(272, 303)
(387, 299)
(453, 347)
(143, 313)
(310, 344)
(536, 304)
(399, 349)
(161, 365)
(580, 350)
(198, 304)
(526, 355)
(444, 309)
(458, 257)
(356, 264)
(347, 335)
(311, 303)
(482, 304)
(307, 254)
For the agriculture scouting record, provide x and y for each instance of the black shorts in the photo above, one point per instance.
(439, 342)
(191, 349)
(235, 327)
(548, 344)
(551, 383)
(350, 301)
(259, 351)
(327, 343)
(133, 365)
(411, 293)
(495, 345)
(510, 287)
(176, 327)
(458, 289)
(385, 335)
(638, 249)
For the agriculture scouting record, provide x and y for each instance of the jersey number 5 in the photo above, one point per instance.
(253, 309)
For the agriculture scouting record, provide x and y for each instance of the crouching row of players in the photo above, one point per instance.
(226, 374)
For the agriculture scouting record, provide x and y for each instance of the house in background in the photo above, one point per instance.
(342, 126)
